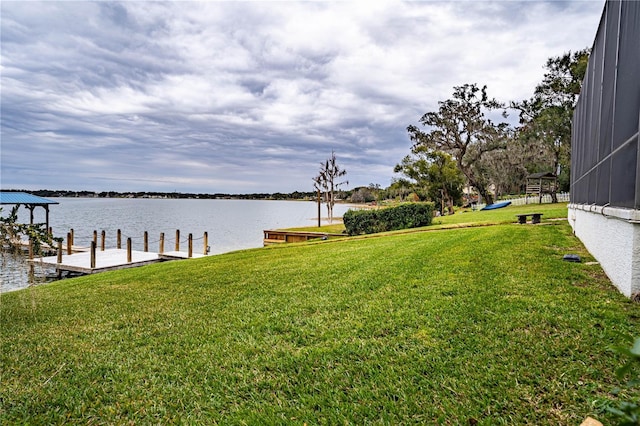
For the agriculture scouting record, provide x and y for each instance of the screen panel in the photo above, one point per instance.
(623, 175)
(603, 181)
(608, 80)
(604, 152)
(627, 102)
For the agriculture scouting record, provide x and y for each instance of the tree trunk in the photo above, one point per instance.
(330, 206)
(479, 186)
(556, 168)
(484, 193)
(447, 201)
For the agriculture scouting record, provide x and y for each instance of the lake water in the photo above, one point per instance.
(231, 225)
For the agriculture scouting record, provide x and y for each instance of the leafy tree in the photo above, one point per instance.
(363, 195)
(461, 129)
(545, 119)
(399, 189)
(11, 233)
(327, 181)
(436, 173)
(508, 168)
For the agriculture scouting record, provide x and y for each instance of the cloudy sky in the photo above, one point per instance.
(244, 97)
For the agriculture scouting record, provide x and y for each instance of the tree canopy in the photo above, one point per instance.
(436, 174)
(545, 118)
(462, 129)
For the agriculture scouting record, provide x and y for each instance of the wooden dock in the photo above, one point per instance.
(97, 258)
(109, 260)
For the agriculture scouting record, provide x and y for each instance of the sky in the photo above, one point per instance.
(247, 97)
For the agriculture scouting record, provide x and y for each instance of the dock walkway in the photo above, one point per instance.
(109, 260)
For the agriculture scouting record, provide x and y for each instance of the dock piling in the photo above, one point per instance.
(90, 260)
(119, 240)
(93, 254)
(59, 259)
(31, 268)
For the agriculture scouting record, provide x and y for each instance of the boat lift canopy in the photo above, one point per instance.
(30, 201)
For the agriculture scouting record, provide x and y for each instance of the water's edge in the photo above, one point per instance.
(230, 224)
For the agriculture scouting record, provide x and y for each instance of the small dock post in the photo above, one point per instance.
(103, 236)
(146, 241)
(128, 250)
(161, 243)
(177, 240)
(190, 251)
(69, 242)
(93, 253)
(205, 247)
(119, 240)
(59, 259)
(31, 269)
(72, 233)
(95, 237)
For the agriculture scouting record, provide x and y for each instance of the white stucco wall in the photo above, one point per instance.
(612, 236)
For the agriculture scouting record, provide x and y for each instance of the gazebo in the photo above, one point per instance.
(29, 201)
(542, 183)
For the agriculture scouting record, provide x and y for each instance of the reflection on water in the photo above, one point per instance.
(230, 224)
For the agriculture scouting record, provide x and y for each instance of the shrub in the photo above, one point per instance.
(404, 216)
(358, 222)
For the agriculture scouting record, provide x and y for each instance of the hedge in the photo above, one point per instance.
(404, 216)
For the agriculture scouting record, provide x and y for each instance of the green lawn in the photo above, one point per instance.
(483, 324)
(503, 215)
(468, 217)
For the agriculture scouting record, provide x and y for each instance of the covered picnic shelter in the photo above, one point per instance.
(542, 183)
(30, 201)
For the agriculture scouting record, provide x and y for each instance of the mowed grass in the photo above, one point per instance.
(483, 325)
(468, 217)
(501, 216)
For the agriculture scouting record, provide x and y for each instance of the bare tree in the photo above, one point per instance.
(328, 181)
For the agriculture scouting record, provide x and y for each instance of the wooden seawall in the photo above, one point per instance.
(283, 236)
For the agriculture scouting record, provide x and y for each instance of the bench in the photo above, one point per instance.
(535, 218)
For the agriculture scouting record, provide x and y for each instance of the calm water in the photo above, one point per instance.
(231, 225)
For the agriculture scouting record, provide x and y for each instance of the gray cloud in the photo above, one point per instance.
(251, 96)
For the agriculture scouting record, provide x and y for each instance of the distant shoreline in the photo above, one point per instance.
(292, 196)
